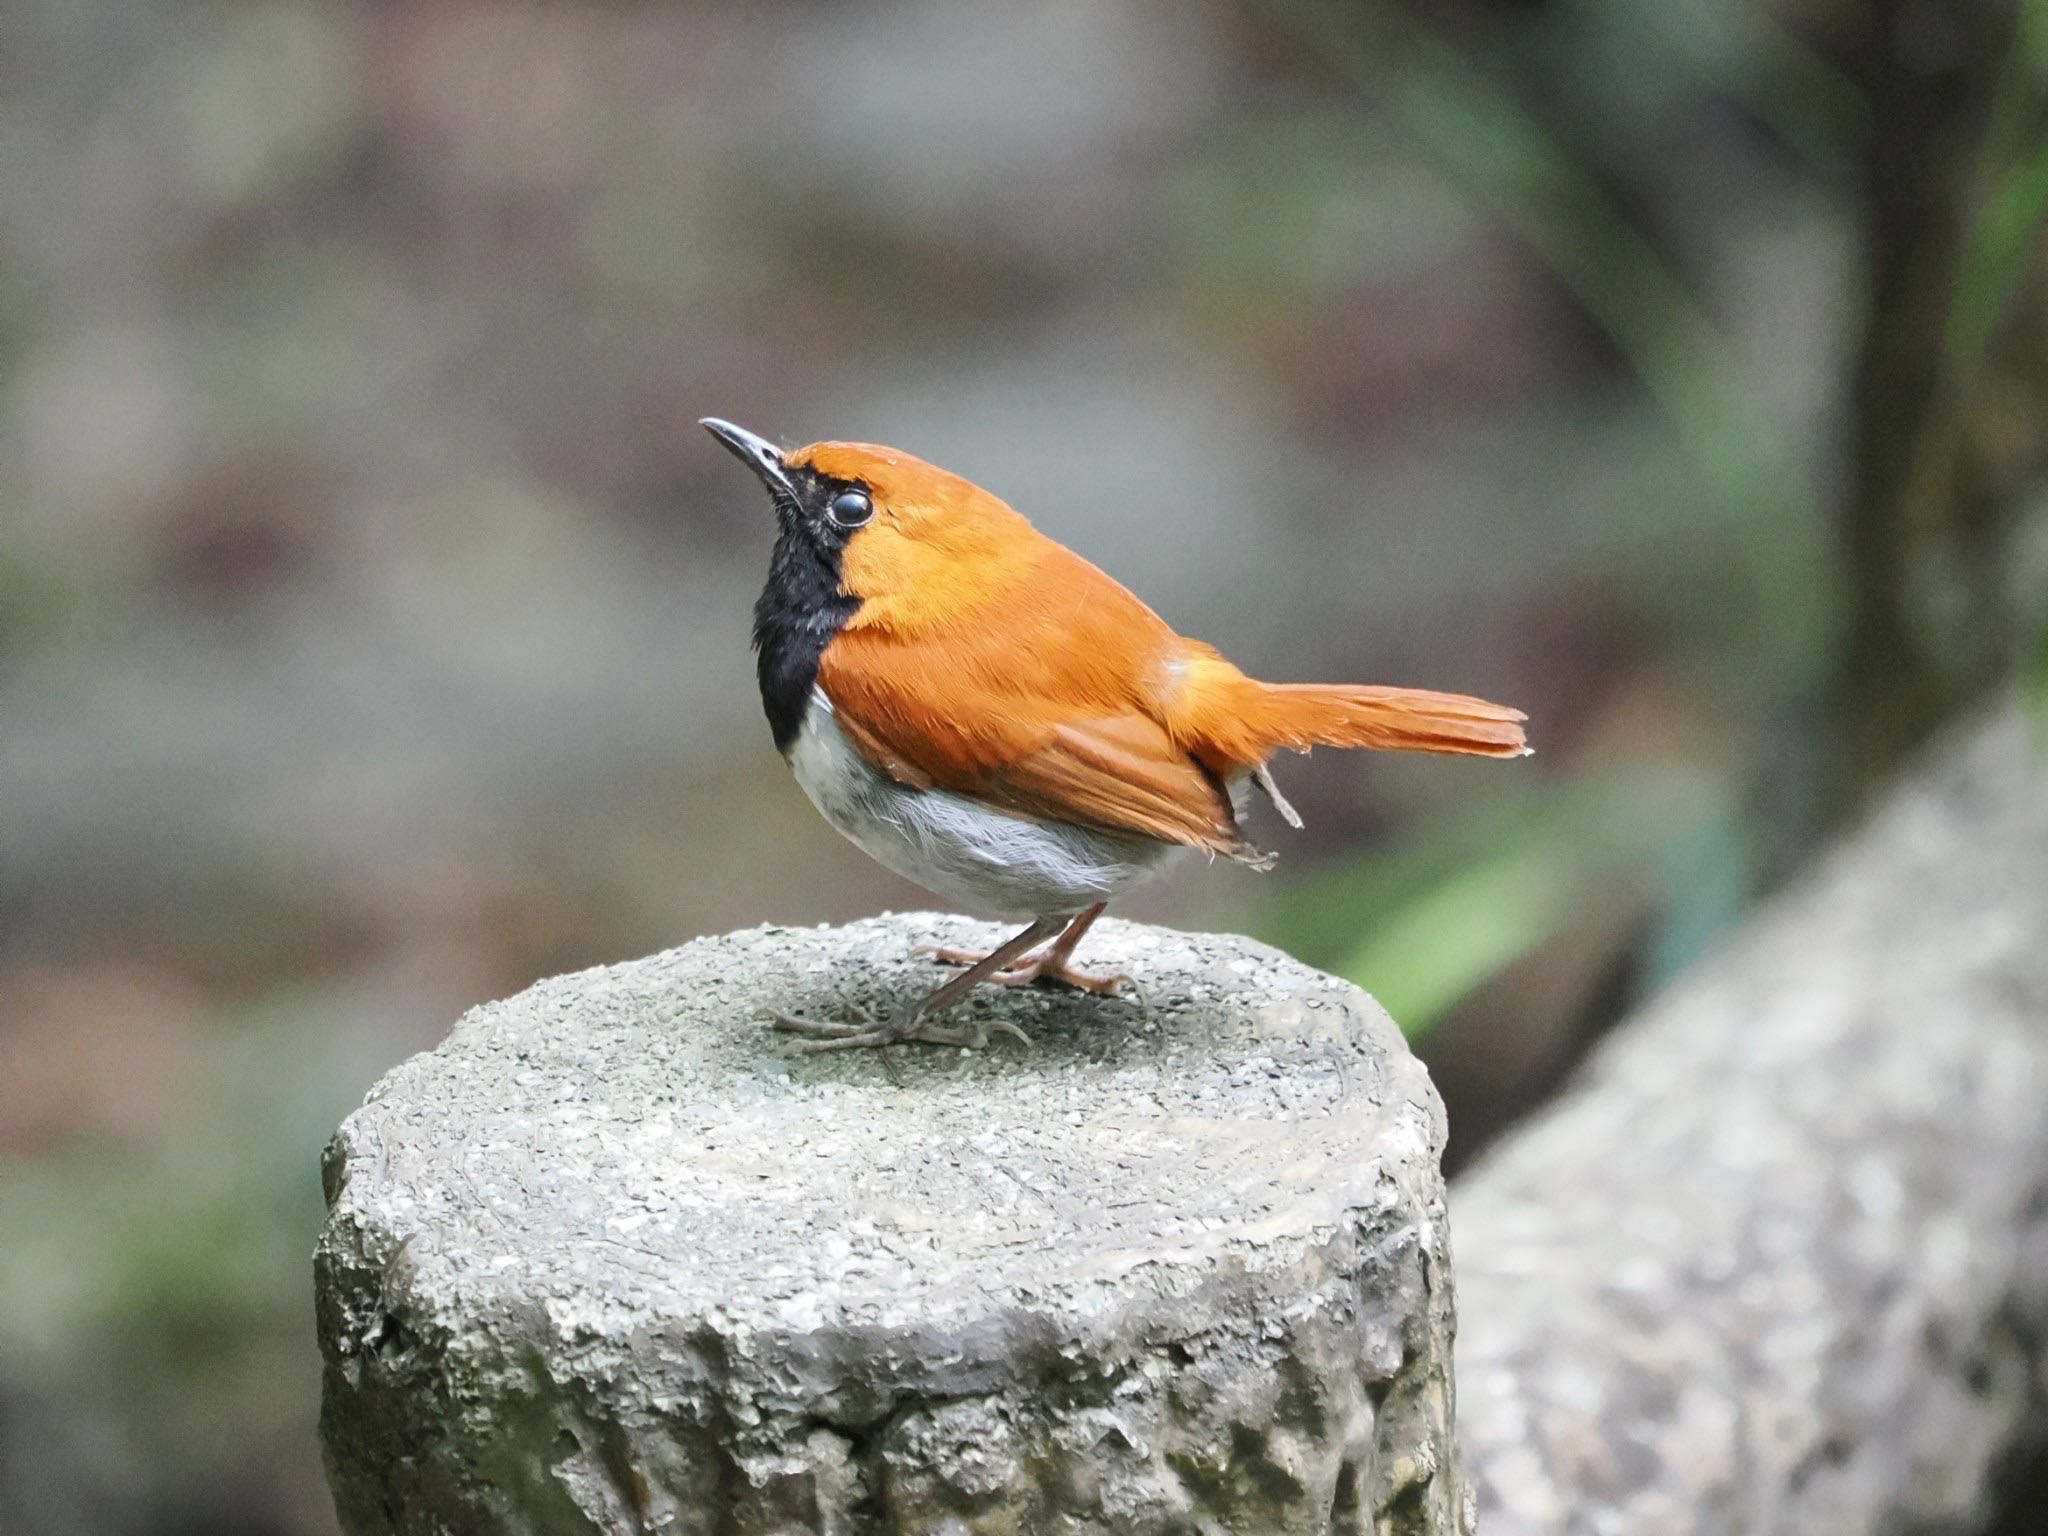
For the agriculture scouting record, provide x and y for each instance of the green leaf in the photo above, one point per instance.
(2004, 236)
(2015, 154)
(1461, 934)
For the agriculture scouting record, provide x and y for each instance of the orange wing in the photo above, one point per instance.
(1051, 681)
(988, 660)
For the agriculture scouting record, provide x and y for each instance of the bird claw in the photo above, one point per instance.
(1066, 976)
(830, 1035)
(822, 1029)
(1032, 971)
(948, 956)
(1008, 1027)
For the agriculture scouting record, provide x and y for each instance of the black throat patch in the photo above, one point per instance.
(799, 611)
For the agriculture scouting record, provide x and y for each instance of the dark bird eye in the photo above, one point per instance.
(850, 509)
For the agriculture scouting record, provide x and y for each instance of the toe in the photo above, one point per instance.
(817, 1029)
(821, 1029)
(946, 956)
(857, 1040)
(1080, 981)
(1101, 986)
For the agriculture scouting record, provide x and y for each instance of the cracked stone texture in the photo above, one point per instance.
(616, 1258)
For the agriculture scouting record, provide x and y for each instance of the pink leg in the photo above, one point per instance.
(1048, 965)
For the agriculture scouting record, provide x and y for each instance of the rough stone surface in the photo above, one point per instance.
(617, 1258)
(1779, 1265)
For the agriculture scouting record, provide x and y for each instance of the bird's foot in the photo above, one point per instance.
(1031, 970)
(866, 1032)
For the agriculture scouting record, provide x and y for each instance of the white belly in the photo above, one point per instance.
(958, 848)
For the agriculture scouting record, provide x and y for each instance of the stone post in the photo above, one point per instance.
(618, 1258)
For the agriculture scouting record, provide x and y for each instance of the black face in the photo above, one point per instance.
(801, 608)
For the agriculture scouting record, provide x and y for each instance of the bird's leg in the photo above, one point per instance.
(910, 1024)
(1049, 965)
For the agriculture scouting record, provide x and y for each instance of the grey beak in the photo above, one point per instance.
(754, 451)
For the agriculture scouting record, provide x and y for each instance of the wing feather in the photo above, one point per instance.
(1044, 703)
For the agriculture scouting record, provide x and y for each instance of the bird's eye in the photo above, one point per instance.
(850, 509)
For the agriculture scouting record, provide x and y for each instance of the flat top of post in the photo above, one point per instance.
(633, 1143)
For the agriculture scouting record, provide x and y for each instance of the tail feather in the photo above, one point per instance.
(1304, 715)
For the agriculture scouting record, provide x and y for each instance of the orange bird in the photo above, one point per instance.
(987, 714)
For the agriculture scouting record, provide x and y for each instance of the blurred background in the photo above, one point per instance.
(373, 615)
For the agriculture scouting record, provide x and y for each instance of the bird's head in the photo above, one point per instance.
(888, 525)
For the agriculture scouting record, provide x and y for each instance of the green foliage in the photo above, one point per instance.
(1459, 116)
(2036, 684)
(1744, 54)
(1426, 956)
(2006, 235)
(35, 600)
(2009, 227)
(189, 1261)
(1443, 915)
(1425, 923)
(1296, 205)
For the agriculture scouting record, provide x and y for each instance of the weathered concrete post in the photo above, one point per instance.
(616, 1258)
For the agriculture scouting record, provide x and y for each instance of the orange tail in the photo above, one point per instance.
(1304, 715)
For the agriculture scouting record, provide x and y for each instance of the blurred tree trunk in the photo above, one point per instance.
(1939, 456)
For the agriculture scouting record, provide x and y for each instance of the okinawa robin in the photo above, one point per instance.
(986, 713)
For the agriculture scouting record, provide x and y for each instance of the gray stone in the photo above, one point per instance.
(617, 1257)
(1778, 1265)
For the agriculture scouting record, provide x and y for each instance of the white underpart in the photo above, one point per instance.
(958, 848)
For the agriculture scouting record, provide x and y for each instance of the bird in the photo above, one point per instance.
(986, 713)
